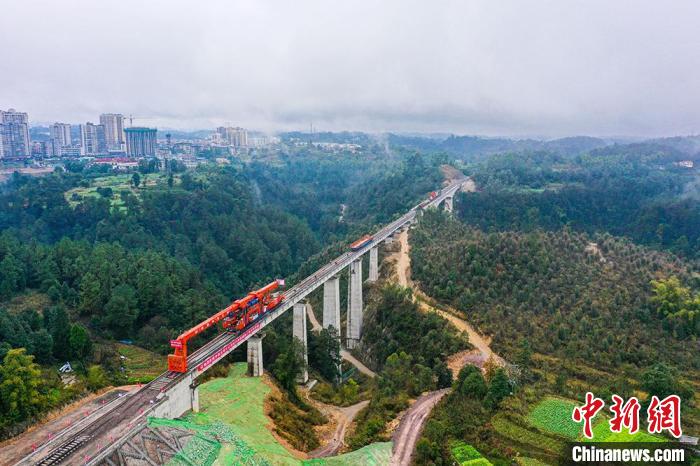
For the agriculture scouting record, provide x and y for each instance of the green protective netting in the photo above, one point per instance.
(232, 414)
(213, 444)
(199, 451)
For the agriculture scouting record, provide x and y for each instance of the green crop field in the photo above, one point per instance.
(554, 415)
(466, 454)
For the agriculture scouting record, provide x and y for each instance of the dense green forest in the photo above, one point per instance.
(637, 191)
(580, 298)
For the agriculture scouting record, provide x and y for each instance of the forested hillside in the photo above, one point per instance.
(570, 313)
(635, 191)
(578, 297)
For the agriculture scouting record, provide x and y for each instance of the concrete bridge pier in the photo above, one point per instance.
(449, 204)
(299, 331)
(255, 355)
(373, 264)
(354, 317)
(331, 304)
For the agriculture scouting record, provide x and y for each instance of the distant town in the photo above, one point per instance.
(114, 141)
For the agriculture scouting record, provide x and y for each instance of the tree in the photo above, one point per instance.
(288, 366)
(443, 373)
(324, 353)
(121, 310)
(80, 343)
(96, 378)
(57, 324)
(90, 294)
(474, 386)
(662, 380)
(524, 356)
(11, 276)
(20, 382)
(42, 346)
(136, 180)
(499, 388)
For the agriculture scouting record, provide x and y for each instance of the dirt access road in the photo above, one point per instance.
(414, 419)
(345, 417)
(411, 425)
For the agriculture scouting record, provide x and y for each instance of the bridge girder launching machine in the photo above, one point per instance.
(234, 318)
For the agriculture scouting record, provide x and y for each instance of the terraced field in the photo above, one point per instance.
(522, 435)
(141, 365)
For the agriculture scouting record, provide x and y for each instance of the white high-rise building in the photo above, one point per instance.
(114, 130)
(60, 139)
(60, 132)
(92, 139)
(14, 134)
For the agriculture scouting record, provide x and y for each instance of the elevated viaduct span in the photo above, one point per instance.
(118, 434)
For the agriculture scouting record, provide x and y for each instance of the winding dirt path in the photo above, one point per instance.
(343, 416)
(480, 342)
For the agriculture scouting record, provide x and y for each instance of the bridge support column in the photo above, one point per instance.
(373, 264)
(299, 331)
(331, 304)
(449, 204)
(194, 393)
(354, 317)
(255, 356)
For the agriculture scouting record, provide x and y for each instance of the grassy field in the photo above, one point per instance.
(140, 364)
(29, 300)
(117, 183)
(601, 433)
(524, 461)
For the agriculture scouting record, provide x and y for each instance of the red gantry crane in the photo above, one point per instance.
(234, 318)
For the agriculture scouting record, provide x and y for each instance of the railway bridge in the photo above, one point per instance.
(118, 433)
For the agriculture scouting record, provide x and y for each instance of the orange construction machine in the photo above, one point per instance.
(234, 318)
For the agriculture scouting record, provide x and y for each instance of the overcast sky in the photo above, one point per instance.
(548, 68)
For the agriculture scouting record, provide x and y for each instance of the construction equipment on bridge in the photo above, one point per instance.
(234, 318)
(360, 243)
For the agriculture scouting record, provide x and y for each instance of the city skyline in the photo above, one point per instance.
(511, 69)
